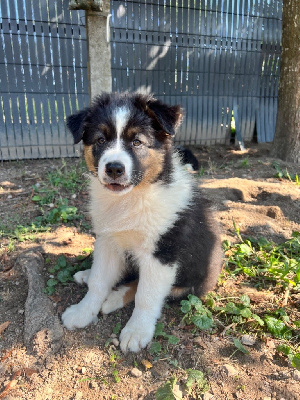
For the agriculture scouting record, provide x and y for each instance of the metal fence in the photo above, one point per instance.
(43, 77)
(215, 57)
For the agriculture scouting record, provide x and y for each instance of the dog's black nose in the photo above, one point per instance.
(114, 169)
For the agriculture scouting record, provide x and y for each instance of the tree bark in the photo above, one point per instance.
(286, 143)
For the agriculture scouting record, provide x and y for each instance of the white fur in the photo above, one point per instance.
(155, 283)
(150, 211)
(106, 269)
(132, 222)
(81, 277)
(116, 152)
(120, 117)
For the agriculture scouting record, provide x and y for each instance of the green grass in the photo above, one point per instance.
(53, 196)
(192, 382)
(164, 340)
(268, 267)
(283, 173)
(266, 264)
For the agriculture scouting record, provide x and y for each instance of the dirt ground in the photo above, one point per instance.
(242, 188)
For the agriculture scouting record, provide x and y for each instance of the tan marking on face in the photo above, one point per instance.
(152, 165)
(130, 293)
(103, 128)
(132, 132)
(89, 158)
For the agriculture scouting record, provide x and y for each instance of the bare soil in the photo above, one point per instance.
(242, 187)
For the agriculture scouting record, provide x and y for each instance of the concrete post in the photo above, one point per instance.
(99, 53)
(98, 46)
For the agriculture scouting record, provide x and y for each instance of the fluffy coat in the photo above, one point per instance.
(156, 237)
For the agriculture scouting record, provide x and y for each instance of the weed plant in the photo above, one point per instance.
(267, 266)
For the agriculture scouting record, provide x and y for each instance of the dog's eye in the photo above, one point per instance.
(101, 140)
(136, 142)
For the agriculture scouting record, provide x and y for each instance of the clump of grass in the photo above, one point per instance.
(161, 340)
(284, 174)
(263, 264)
(190, 381)
(244, 163)
(51, 195)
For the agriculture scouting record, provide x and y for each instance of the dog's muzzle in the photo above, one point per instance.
(115, 177)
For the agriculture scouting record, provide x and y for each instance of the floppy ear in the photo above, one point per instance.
(75, 123)
(168, 117)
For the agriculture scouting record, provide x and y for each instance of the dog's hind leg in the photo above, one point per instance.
(82, 277)
(119, 297)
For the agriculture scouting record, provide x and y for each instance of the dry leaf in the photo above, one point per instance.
(7, 354)
(10, 385)
(4, 326)
(147, 364)
(29, 371)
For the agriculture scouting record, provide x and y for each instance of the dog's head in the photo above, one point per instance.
(127, 138)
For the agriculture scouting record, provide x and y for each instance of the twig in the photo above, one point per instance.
(228, 327)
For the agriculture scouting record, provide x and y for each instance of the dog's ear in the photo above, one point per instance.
(168, 117)
(75, 123)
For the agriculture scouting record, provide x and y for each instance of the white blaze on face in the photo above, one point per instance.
(116, 152)
(120, 119)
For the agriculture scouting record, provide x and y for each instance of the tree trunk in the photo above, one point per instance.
(286, 143)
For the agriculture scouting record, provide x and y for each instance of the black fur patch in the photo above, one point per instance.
(193, 243)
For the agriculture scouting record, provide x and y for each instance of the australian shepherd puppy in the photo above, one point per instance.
(155, 236)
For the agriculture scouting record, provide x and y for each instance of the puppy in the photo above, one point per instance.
(154, 233)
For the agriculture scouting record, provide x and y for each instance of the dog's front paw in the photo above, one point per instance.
(135, 336)
(82, 277)
(78, 316)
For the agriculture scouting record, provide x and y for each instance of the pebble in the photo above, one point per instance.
(51, 205)
(136, 372)
(73, 196)
(296, 375)
(115, 342)
(207, 396)
(83, 370)
(9, 196)
(113, 335)
(230, 370)
(267, 398)
(78, 396)
(248, 340)
(198, 340)
(93, 385)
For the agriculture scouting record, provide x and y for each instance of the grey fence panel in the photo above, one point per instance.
(43, 77)
(209, 56)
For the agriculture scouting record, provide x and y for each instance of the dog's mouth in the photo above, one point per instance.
(116, 187)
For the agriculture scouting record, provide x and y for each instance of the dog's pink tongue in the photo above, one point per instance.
(115, 187)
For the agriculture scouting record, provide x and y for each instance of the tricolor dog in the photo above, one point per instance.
(156, 239)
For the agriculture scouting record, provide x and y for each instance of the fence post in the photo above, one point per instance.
(98, 44)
